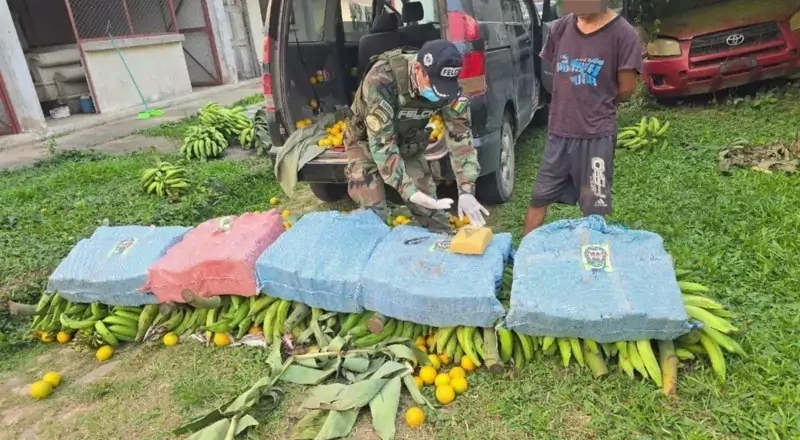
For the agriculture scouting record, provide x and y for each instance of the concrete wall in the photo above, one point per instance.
(254, 16)
(157, 64)
(17, 78)
(223, 36)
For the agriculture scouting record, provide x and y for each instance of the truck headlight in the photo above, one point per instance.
(664, 47)
(794, 22)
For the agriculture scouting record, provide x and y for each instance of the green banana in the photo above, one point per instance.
(372, 339)
(565, 349)
(260, 304)
(689, 287)
(465, 338)
(174, 320)
(649, 360)
(73, 324)
(710, 319)
(700, 301)
(443, 336)
(506, 340)
(349, 323)
(106, 334)
(120, 320)
(146, 319)
(636, 360)
(714, 355)
(722, 340)
(280, 319)
(269, 319)
(526, 345)
(519, 357)
(124, 331)
(577, 351)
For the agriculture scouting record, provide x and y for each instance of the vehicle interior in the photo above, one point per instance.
(328, 44)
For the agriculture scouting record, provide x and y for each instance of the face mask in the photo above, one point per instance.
(429, 94)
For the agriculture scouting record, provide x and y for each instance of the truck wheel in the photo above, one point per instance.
(329, 192)
(497, 187)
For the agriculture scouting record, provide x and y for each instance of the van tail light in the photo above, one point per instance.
(461, 28)
(266, 76)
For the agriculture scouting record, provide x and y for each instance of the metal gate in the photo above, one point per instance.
(199, 47)
(8, 120)
(242, 44)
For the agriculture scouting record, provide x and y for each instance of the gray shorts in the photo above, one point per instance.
(576, 171)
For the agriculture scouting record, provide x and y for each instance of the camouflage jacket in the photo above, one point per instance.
(389, 114)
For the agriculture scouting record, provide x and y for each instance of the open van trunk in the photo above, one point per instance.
(314, 49)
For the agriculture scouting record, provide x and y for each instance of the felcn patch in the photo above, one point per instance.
(372, 123)
(460, 104)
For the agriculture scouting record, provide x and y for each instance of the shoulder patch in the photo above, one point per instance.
(373, 123)
(387, 108)
(460, 104)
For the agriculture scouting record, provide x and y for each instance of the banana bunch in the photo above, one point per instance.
(46, 317)
(248, 136)
(713, 339)
(203, 142)
(164, 179)
(648, 135)
(229, 121)
(119, 326)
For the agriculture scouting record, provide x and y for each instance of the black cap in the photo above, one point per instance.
(442, 62)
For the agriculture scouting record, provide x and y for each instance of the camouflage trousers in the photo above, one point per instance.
(366, 187)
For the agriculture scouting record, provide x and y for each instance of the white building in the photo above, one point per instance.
(56, 53)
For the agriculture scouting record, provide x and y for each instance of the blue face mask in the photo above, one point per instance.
(429, 94)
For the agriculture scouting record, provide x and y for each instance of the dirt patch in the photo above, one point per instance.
(15, 414)
(98, 373)
(75, 410)
(783, 157)
(576, 426)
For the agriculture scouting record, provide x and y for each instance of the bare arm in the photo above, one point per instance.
(626, 84)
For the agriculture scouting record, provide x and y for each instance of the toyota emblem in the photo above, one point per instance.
(734, 39)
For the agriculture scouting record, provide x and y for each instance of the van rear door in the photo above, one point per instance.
(309, 73)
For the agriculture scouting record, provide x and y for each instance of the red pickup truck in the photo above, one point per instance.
(722, 45)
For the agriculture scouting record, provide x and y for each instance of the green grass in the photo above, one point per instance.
(737, 233)
(173, 130)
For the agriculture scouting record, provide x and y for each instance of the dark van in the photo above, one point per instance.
(316, 50)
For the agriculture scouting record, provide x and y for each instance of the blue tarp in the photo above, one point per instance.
(111, 265)
(320, 259)
(412, 276)
(584, 278)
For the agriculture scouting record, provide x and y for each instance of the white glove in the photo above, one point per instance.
(468, 205)
(426, 201)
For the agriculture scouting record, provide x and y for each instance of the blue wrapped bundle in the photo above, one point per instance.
(412, 276)
(111, 265)
(320, 259)
(583, 278)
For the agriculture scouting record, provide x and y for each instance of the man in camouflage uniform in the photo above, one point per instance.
(387, 134)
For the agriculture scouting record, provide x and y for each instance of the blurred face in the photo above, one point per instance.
(421, 77)
(585, 8)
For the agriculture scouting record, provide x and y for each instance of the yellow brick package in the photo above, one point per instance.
(471, 241)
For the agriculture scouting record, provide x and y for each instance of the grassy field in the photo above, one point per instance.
(738, 234)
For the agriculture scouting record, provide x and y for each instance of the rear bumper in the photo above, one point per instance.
(329, 167)
(682, 76)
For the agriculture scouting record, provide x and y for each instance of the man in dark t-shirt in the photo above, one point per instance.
(595, 56)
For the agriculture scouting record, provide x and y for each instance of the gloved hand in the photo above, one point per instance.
(429, 202)
(468, 205)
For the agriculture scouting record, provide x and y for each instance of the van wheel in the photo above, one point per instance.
(497, 187)
(329, 192)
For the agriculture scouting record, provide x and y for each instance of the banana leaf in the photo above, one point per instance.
(383, 408)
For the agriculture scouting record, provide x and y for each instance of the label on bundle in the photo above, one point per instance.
(123, 247)
(596, 257)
